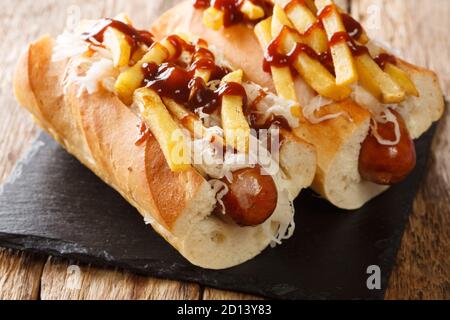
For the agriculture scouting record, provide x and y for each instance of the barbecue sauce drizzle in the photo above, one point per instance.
(232, 10)
(171, 80)
(144, 133)
(273, 57)
(384, 59)
(134, 37)
(354, 30)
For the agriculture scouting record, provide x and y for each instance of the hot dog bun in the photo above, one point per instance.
(100, 131)
(338, 141)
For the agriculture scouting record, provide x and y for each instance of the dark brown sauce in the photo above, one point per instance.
(134, 37)
(326, 11)
(144, 133)
(179, 45)
(261, 95)
(172, 81)
(256, 119)
(272, 120)
(353, 32)
(232, 9)
(202, 4)
(353, 27)
(291, 5)
(317, 25)
(385, 58)
(273, 57)
(356, 49)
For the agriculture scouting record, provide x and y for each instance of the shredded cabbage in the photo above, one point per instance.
(220, 189)
(272, 104)
(309, 111)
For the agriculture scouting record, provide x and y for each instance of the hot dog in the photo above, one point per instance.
(149, 116)
(384, 164)
(315, 54)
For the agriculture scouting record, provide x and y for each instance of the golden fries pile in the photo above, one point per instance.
(314, 30)
(165, 117)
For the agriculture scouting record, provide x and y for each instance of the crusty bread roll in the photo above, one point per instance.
(338, 141)
(101, 131)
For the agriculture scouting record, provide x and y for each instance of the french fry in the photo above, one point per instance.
(117, 43)
(205, 74)
(284, 3)
(140, 51)
(185, 117)
(213, 18)
(235, 125)
(138, 55)
(166, 131)
(189, 120)
(402, 79)
(363, 38)
(284, 83)
(311, 6)
(314, 73)
(279, 20)
(235, 76)
(343, 61)
(120, 48)
(378, 82)
(344, 64)
(301, 16)
(282, 76)
(252, 11)
(132, 78)
(303, 19)
(319, 78)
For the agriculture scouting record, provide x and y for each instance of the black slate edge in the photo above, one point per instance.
(99, 257)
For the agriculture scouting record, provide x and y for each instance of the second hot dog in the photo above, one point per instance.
(386, 164)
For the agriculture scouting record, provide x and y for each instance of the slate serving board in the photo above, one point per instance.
(52, 204)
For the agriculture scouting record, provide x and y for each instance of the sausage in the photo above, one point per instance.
(252, 197)
(387, 165)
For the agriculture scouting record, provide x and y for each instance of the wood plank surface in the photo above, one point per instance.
(419, 31)
(68, 280)
(214, 294)
(418, 28)
(20, 275)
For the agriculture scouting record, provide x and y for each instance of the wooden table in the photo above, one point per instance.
(418, 28)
